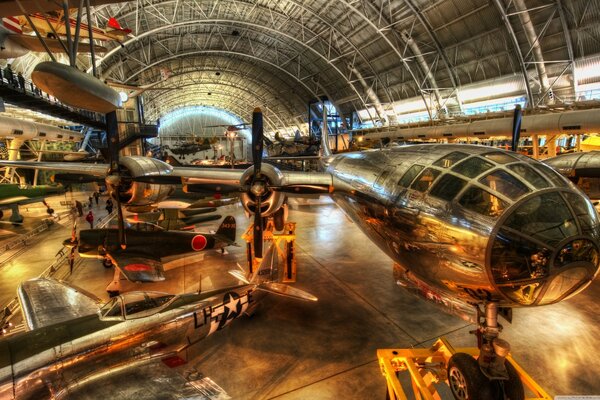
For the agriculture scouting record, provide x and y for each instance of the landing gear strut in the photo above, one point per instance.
(487, 372)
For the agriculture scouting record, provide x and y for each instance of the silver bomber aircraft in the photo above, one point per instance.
(476, 229)
(71, 340)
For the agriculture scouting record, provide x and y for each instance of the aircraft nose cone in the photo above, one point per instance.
(547, 248)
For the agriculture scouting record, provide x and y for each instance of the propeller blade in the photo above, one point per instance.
(516, 128)
(257, 140)
(258, 230)
(301, 189)
(122, 239)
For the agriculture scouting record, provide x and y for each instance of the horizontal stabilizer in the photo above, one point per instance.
(47, 302)
(285, 290)
(239, 275)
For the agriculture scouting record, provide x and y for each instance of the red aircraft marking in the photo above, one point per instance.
(137, 267)
(199, 242)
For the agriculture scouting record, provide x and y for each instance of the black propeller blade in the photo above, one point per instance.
(113, 180)
(516, 128)
(258, 186)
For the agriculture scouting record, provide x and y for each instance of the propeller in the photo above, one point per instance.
(114, 178)
(258, 187)
(516, 127)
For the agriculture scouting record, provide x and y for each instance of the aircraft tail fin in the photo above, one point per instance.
(228, 228)
(267, 276)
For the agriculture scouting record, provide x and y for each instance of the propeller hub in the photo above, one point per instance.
(258, 188)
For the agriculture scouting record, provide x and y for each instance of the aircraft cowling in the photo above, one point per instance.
(134, 193)
(271, 200)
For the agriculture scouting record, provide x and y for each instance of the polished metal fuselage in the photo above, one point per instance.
(440, 249)
(53, 361)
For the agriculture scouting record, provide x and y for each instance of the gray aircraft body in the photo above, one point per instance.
(72, 341)
(51, 361)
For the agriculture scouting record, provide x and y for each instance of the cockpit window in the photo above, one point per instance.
(111, 309)
(585, 213)
(527, 173)
(500, 158)
(545, 217)
(425, 180)
(138, 302)
(450, 159)
(482, 202)
(551, 174)
(472, 167)
(447, 187)
(410, 175)
(503, 182)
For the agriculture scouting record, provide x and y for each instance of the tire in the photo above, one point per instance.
(107, 263)
(466, 380)
(113, 293)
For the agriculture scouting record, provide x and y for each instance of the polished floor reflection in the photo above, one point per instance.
(295, 350)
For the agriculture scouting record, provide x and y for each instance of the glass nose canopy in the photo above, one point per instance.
(546, 249)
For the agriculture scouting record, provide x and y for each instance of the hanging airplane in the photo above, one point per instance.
(53, 23)
(475, 229)
(70, 341)
(14, 43)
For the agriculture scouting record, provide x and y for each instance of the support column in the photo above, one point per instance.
(39, 158)
(14, 146)
(536, 146)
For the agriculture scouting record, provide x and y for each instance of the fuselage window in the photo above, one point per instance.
(449, 160)
(410, 175)
(447, 187)
(472, 167)
(482, 202)
(529, 174)
(425, 180)
(503, 182)
(500, 158)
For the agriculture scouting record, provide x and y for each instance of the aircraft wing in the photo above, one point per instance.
(138, 267)
(47, 302)
(33, 43)
(152, 380)
(99, 170)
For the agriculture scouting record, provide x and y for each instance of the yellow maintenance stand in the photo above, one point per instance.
(428, 367)
(284, 243)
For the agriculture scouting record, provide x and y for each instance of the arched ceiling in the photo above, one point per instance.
(361, 54)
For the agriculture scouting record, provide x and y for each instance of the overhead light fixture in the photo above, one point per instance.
(123, 96)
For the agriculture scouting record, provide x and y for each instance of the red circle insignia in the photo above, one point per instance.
(198, 242)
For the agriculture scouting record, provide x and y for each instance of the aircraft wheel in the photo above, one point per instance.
(107, 263)
(512, 389)
(112, 293)
(466, 380)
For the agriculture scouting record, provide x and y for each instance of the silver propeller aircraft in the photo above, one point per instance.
(72, 340)
(476, 229)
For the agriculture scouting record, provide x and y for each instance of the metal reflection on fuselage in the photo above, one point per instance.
(441, 212)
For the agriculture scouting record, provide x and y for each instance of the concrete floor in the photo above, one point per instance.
(295, 350)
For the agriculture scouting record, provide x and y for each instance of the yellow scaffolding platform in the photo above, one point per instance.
(428, 367)
(284, 243)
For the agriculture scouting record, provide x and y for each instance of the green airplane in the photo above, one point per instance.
(14, 195)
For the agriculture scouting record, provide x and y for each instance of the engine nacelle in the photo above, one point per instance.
(142, 193)
(271, 201)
